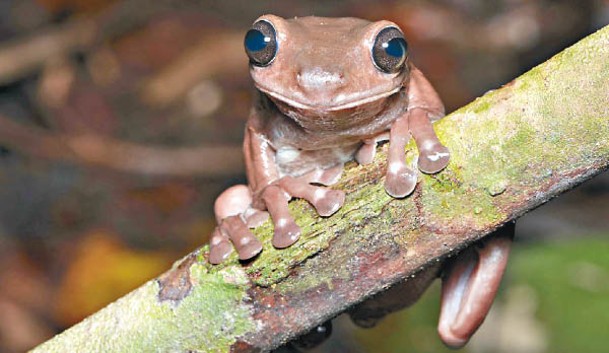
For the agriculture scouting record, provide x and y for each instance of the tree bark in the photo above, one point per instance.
(511, 150)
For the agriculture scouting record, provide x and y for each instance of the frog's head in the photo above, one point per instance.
(321, 70)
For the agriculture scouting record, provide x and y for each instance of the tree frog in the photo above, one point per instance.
(327, 91)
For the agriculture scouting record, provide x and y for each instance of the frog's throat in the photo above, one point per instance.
(330, 108)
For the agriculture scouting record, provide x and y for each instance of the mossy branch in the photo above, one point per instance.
(512, 150)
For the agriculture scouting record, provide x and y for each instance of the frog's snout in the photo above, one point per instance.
(319, 79)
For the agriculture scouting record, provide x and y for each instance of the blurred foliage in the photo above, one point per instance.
(101, 269)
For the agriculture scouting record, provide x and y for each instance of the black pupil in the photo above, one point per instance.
(395, 47)
(255, 40)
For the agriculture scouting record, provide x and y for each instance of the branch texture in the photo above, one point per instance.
(512, 150)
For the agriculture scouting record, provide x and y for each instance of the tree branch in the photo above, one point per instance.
(512, 150)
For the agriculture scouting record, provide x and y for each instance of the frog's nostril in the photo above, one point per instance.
(318, 78)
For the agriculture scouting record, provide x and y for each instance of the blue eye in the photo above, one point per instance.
(390, 50)
(255, 40)
(261, 43)
(395, 47)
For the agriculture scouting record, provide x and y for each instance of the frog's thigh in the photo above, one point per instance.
(398, 297)
(233, 201)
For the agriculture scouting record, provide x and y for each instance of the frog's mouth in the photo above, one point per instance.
(317, 108)
(340, 118)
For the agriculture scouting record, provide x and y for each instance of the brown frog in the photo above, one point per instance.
(328, 89)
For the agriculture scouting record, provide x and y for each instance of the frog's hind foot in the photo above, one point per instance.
(365, 154)
(325, 177)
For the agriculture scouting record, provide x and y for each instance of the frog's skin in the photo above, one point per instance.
(328, 89)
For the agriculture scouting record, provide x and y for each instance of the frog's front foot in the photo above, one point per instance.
(237, 211)
(276, 197)
(286, 230)
(233, 231)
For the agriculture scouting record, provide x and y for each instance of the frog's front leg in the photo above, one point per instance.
(401, 180)
(425, 107)
(433, 156)
(239, 207)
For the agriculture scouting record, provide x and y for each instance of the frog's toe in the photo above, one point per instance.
(321, 176)
(255, 218)
(330, 176)
(243, 239)
(327, 201)
(434, 159)
(247, 246)
(286, 233)
(365, 154)
(219, 247)
(400, 181)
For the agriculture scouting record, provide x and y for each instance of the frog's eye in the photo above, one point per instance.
(261, 43)
(390, 50)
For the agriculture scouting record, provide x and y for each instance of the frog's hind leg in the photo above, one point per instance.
(433, 156)
(230, 208)
(470, 284)
(401, 180)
